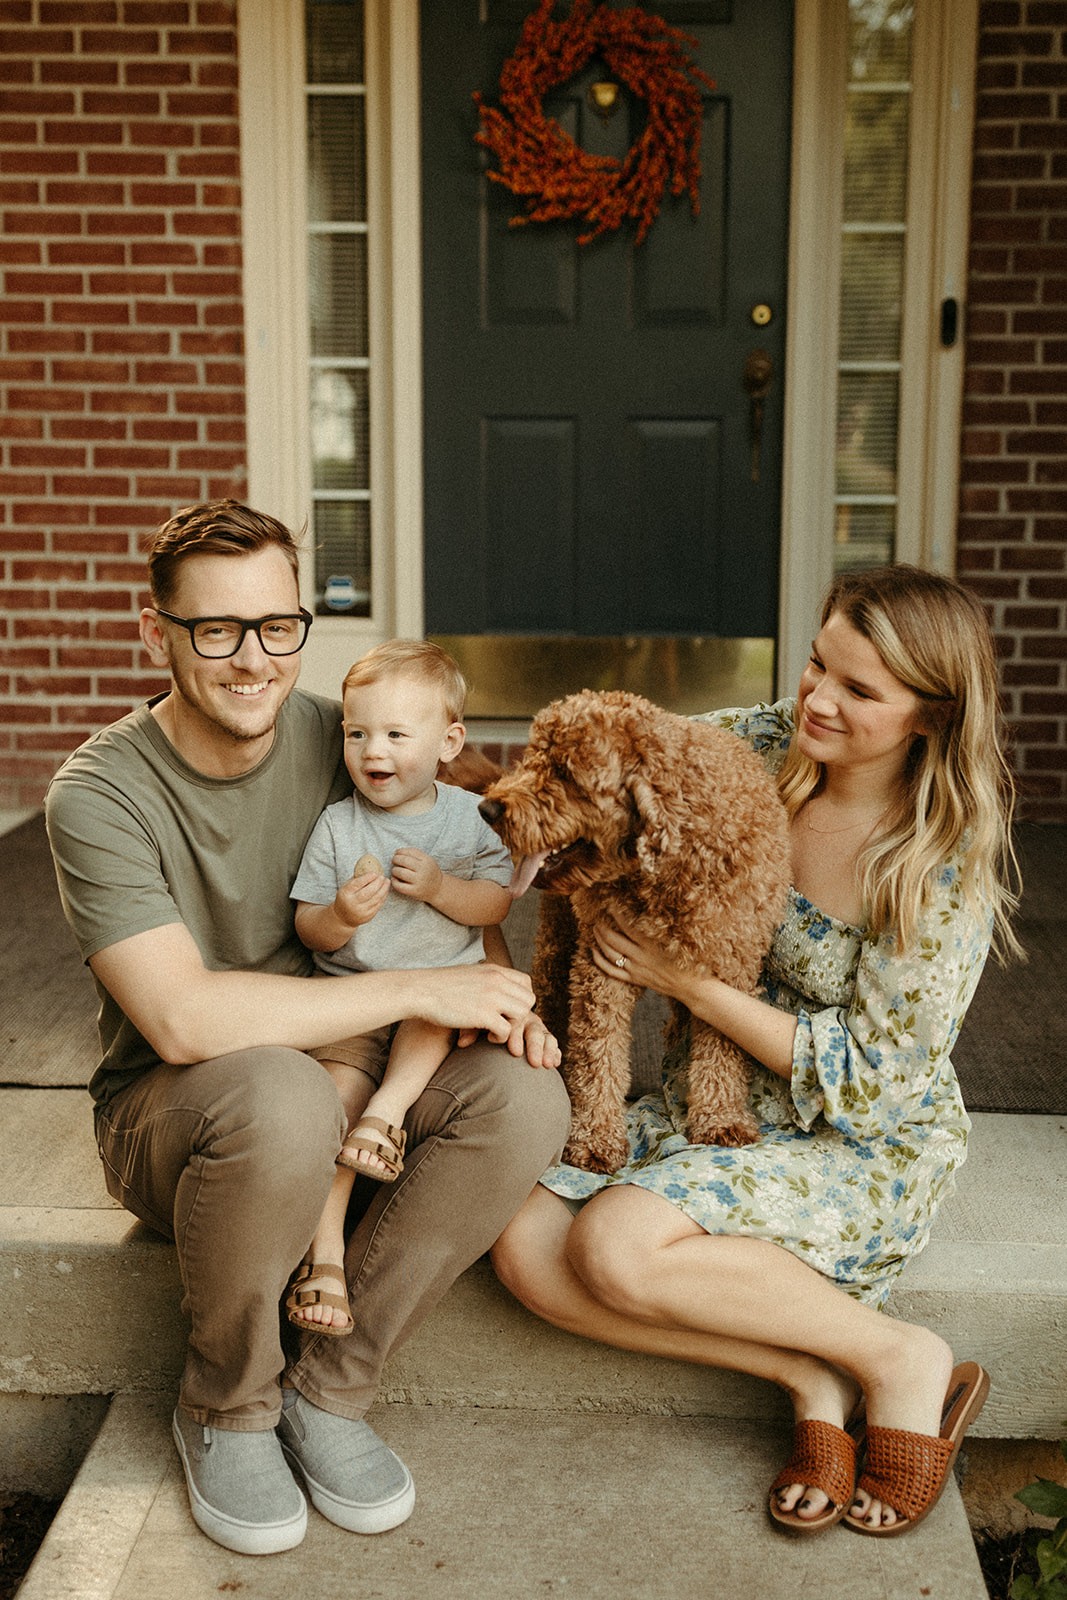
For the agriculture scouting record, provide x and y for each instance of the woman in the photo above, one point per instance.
(774, 1259)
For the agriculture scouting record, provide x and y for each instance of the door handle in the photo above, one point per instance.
(756, 379)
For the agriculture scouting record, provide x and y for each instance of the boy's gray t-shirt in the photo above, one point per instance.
(405, 933)
(141, 840)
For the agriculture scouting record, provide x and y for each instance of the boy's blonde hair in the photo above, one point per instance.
(957, 796)
(419, 659)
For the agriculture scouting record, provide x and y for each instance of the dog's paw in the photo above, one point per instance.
(744, 1130)
(604, 1156)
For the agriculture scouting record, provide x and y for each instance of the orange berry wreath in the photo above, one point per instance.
(559, 179)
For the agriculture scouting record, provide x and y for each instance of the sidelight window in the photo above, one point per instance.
(338, 334)
(877, 114)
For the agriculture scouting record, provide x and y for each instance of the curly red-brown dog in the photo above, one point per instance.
(620, 809)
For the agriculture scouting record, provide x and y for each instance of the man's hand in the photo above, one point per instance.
(416, 875)
(527, 1037)
(483, 997)
(540, 1047)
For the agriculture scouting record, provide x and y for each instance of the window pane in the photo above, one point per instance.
(339, 379)
(342, 557)
(340, 432)
(877, 112)
(863, 536)
(337, 283)
(336, 165)
(880, 40)
(334, 41)
(876, 149)
(867, 433)
(871, 284)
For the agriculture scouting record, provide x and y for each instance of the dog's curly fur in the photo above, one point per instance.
(675, 827)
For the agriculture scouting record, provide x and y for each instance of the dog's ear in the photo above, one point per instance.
(660, 817)
(469, 770)
(583, 741)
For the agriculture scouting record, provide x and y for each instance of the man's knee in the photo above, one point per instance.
(522, 1102)
(281, 1104)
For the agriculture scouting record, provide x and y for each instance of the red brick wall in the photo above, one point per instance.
(1013, 510)
(121, 374)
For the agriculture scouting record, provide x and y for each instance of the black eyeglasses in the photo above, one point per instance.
(219, 637)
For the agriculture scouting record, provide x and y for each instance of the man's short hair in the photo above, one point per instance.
(419, 659)
(216, 528)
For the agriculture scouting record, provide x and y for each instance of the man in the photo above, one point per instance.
(176, 834)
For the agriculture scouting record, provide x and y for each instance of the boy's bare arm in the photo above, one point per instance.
(356, 902)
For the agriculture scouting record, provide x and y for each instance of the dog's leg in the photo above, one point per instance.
(556, 942)
(596, 1066)
(719, 1083)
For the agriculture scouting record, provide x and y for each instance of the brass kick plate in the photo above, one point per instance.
(515, 675)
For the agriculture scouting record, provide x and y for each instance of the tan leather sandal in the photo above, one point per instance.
(908, 1471)
(387, 1143)
(824, 1457)
(301, 1296)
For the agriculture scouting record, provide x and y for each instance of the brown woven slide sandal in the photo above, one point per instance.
(824, 1457)
(908, 1471)
(301, 1296)
(384, 1141)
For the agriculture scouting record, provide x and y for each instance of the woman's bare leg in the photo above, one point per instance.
(531, 1259)
(633, 1271)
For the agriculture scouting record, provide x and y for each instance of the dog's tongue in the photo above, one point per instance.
(525, 872)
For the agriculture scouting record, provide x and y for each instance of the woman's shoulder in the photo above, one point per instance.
(768, 728)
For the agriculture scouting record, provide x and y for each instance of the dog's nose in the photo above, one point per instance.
(492, 810)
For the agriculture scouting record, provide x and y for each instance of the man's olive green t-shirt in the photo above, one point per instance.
(141, 840)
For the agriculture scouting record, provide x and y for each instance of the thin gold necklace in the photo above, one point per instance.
(826, 832)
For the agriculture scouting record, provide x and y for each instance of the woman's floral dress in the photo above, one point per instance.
(857, 1152)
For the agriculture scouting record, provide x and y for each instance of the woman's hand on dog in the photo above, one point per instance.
(643, 961)
(752, 1022)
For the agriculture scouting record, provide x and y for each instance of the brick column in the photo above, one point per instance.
(1013, 501)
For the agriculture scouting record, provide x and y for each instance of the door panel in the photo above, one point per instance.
(532, 578)
(587, 434)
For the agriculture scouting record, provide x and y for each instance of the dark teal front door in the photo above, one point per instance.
(594, 464)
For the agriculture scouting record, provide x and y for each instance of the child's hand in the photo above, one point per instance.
(416, 875)
(363, 896)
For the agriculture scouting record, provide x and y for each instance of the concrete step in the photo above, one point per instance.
(511, 1505)
(92, 1299)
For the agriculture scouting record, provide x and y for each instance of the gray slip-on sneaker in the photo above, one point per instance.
(353, 1479)
(241, 1492)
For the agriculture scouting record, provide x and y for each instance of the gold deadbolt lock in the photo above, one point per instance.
(761, 315)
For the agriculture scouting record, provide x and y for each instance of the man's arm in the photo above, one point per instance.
(188, 1012)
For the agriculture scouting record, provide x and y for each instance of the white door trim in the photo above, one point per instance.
(819, 76)
(274, 219)
(944, 53)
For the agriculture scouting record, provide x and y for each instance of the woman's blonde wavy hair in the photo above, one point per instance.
(958, 795)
